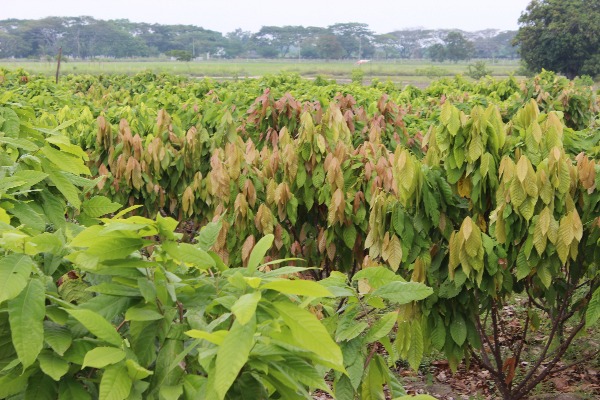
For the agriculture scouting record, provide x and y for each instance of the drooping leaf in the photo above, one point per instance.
(97, 325)
(310, 334)
(26, 314)
(592, 313)
(458, 329)
(232, 355)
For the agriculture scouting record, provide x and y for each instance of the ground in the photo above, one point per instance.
(416, 72)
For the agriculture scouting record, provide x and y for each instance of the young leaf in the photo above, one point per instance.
(98, 206)
(100, 357)
(245, 307)
(298, 287)
(136, 371)
(26, 314)
(189, 254)
(259, 251)
(310, 334)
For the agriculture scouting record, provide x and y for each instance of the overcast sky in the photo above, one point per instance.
(226, 15)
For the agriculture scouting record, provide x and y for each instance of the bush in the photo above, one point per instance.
(478, 70)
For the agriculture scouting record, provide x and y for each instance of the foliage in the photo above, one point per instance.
(561, 36)
(478, 70)
(180, 55)
(88, 38)
(358, 75)
(459, 196)
(117, 308)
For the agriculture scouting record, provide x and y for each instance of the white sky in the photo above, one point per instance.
(226, 15)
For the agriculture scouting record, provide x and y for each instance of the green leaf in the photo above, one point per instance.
(372, 384)
(245, 307)
(63, 185)
(592, 313)
(377, 276)
(19, 143)
(97, 325)
(189, 254)
(298, 287)
(70, 389)
(53, 365)
(28, 216)
(438, 335)
(100, 357)
(213, 337)
(115, 383)
(382, 327)
(349, 236)
(310, 334)
(232, 355)
(458, 329)
(26, 314)
(208, 235)
(416, 349)
(348, 330)
(136, 371)
(259, 251)
(14, 271)
(58, 337)
(41, 387)
(403, 292)
(145, 313)
(13, 383)
(98, 206)
(65, 161)
(170, 392)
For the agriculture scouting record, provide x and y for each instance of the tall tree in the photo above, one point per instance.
(458, 47)
(356, 39)
(561, 35)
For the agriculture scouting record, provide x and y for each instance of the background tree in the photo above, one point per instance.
(356, 39)
(561, 35)
(329, 47)
(437, 52)
(458, 47)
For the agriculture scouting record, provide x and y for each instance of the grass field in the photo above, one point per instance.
(418, 72)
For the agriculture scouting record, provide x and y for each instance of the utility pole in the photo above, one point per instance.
(193, 49)
(58, 63)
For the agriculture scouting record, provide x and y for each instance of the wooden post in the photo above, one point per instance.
(58, 63)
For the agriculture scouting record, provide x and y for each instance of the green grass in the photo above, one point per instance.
(400, 71)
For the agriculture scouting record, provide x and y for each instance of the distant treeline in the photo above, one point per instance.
(87, 38)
